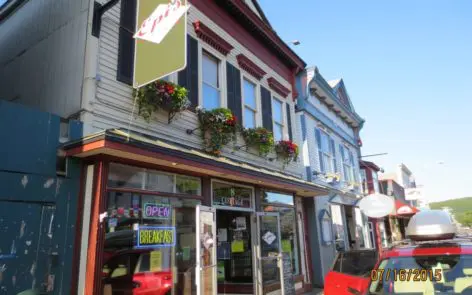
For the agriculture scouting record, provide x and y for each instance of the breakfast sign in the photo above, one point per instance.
(155, 236)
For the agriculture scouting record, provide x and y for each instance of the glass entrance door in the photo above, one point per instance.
(206, 251)
(269, 250)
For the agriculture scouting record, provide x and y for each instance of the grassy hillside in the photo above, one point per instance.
(459, 207)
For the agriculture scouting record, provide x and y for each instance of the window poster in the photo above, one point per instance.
(241, 223)
(155, 261)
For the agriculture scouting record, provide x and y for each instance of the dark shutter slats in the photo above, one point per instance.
(233, 79)
(188, 77)
(266, 101)
(126, 42)
(289, 122)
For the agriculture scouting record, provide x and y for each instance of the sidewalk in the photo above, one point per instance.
(315, 291)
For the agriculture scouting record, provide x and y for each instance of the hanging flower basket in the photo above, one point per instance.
(161, 95)
(260, 138)
(287, 150)
(218, 128)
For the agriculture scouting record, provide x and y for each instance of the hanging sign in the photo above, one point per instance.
(155, 236)
(377, 205)
(160, 40)
(156, 211)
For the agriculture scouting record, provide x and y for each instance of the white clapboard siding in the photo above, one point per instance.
(113, 103)
(42, 48)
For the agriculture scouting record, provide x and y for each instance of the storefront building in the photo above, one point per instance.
(370, 185)
(160, 213)
(330, 138)
(156, 215)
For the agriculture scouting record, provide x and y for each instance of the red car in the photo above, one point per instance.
(442, 265)
(128, 273)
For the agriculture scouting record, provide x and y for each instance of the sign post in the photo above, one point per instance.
(160, 40)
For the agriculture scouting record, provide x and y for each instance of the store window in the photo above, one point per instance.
(130, 177)
(284, 205)
(150, 242)
(338, 227)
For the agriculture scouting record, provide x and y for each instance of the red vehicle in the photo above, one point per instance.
(128, 273)
(442, 265)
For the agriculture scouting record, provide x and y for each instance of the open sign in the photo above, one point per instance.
(156, 211)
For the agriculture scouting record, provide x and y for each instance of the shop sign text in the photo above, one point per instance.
(155, 236)
(156, 211)
(233, 197)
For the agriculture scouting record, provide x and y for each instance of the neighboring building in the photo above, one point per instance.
(404, 178)
(370, 184)
(39, 206)
(330, 142)
(398, 220)
(57, 57)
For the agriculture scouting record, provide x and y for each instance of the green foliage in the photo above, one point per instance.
(260, 138)
(466, 218)
(161, 94)
(461, 208)
(457, 205)
(218, 128)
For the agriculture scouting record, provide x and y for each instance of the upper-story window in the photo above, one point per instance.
(211, 82)
(278, 119)
(326, 152)
(250, 104)
(348, 164)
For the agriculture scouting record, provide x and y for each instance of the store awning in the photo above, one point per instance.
(120, 144)
(402, 209)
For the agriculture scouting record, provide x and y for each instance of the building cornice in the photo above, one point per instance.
(210, 37)
(249, 66)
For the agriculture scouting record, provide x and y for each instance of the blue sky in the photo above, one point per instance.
(407, 66)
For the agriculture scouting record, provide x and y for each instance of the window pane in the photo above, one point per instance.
(278, 132)
(277, 111)
(249, 118)
(288, 232)
(338, 227)
(188, 185)
(160, 182)
(358, 263)
(210, 70)
(276, 198)
(211, 97)
(125, 176)
(325, 142)
(250, 94)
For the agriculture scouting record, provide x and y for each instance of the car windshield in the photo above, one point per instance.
(439, 274)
